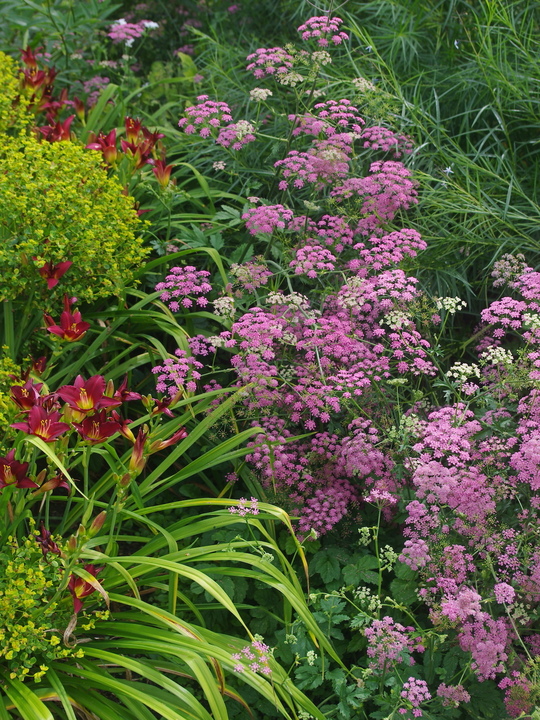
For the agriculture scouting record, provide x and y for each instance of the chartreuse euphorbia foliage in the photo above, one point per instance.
(58, 205)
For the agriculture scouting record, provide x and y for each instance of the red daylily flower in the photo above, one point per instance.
(13, 472)
(180, 434)
(58, 481)
(97, 428)
(162, 171)
(39, 365)
(133, 128)
(27, 395)
(152, 137)
(106, 144)
(52, 273)
(124, 429)
(138, 460)
(58, 132)
(139, 153)
(123, 394)
(87, 396)
(72, 327)
(80, 588)
(42, 424)
(28, 57)
(47, 543)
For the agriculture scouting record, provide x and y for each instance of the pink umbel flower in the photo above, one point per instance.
(269, 61)
(245, 507)
(206, 117)
(177, 373)
(453, 695)
(254, 657)
(389, 643)
(312, 260)
(324, 30)
(236, 135)
(185, 287)
(386, 190)
(416, 692)
(381, 138)
(267, 218)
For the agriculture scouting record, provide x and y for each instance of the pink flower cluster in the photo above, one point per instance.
(323, 29)
(267, 218)
(387, 190)
(416, 692)
(254, 657)
(269, 61)
(177, 374)
(312, 260)
(205, 117)
(126, 32)
(185, 287)
(381, 138)
(245, 507)
(390, 643)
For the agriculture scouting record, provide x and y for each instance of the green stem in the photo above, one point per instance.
(9, 329)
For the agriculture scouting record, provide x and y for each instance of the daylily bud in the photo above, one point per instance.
(125, 480)
(97, 524)
(138, 459)
(72, 544)
(158, 445)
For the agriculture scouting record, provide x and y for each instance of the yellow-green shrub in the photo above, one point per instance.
(13, 114)
(57, 203)
(30, 624)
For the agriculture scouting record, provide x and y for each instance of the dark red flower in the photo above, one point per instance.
(180, 434)
(133, 128)
(162, 171)
(47, 543)
(123, 394)
(29, 58)
(57, 132)
(162, 406)
(106, 144)
(87, 396)
(72, 327)
(39, 365)
(42, 424)
(27, 395)
(52, 273)
(138, 460)
(80, 588)
(13, 472)
(58, 481)
(97, 428)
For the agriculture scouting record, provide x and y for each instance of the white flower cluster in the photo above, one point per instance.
(292, 79)
(365, 535)
(293, 300)
(219, 165)
(497, 356)
(408, 425)
(397, 319)
(389, 556)
(366, 599)
(224, 307)
(259, 94)
(462, 372)
(150, 24)
(243, 128)
(363, 85)
(311, 656)
(450, 304)
(531, 320)
(321, 57)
